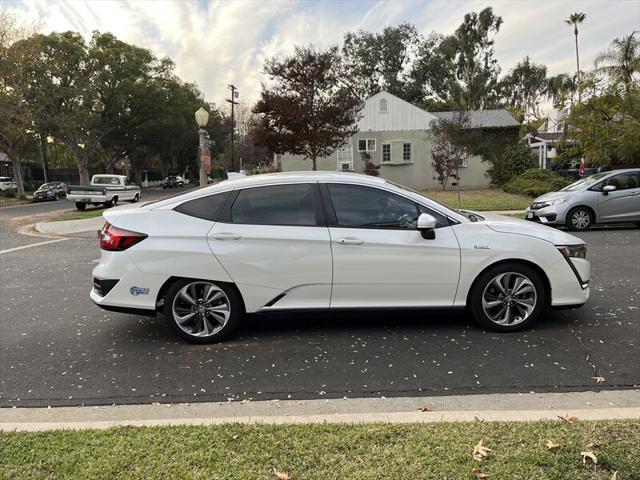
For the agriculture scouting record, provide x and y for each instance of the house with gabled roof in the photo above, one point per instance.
(395, 133)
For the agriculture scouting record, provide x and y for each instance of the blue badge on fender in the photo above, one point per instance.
(135, 291)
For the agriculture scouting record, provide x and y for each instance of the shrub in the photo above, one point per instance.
(370, 168)
(217, 171)
(511, 162)
(263, 167)
(8, 193)
(536, 182)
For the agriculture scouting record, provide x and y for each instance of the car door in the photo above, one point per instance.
(274, 244)
(623, 203)
(380, 259)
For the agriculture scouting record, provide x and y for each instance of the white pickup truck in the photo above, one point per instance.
(105, 190)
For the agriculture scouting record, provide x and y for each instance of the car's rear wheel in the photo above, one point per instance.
(202, 311)
(81, 206)
(135, 198)
(579, 219)
(56, 197)
(508, 297)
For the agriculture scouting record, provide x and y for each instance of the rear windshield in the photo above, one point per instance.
(106, 181)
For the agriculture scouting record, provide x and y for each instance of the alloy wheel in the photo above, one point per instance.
(509, 298)
(201, 309)
(580, 219)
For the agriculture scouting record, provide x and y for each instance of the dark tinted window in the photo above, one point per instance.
(204, 207)
(624, 181)
(275, 205)
(358, 206)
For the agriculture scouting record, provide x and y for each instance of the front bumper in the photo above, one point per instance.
(552, 215)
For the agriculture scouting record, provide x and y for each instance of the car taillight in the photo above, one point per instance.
(116, 239)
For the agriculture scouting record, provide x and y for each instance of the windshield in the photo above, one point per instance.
(46, 185)
(584, 182)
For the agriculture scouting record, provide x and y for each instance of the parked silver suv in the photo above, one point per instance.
(610, 197)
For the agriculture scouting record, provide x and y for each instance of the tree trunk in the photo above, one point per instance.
(577, 66)
(17, 176)
(313, 161)
(137, 174)
(44, 149)
(82, 160)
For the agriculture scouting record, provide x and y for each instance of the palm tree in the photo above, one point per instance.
(622, 60)
(575, 19)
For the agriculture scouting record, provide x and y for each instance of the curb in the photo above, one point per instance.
(604, 405)
(70, 228)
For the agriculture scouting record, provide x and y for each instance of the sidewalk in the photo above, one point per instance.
(607, 404)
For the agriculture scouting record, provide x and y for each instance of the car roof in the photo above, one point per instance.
(302, 176)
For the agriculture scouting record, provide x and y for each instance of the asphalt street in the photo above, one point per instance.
(57, 348)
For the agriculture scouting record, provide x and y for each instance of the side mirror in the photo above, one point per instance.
(426, 226)
(608, 188)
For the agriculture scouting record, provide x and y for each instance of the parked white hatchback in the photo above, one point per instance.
(311, 240)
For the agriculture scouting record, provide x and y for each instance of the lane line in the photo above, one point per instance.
(23, 247)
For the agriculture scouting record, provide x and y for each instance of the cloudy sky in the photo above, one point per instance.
(216, 42)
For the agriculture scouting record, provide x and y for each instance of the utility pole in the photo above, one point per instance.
(234, 94)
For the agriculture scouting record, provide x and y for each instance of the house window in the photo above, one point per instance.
(386, 152)
(462, 163)
(383, 105)
(406, 152)
(345, 158)
(367, 145)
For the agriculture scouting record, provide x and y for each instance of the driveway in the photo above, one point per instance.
(56, 348)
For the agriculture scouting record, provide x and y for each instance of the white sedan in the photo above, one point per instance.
(312, 240)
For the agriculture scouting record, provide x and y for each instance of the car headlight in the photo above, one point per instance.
(548, 203)
(573, 251)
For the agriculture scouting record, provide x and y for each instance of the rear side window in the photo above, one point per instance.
(206, 208)
(275, 205)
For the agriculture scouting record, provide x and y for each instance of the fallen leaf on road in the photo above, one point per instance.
(567, 418)
(615, 475)
(590, 455)
(552, 445)
(599, 379)
(479, 473)
(282, 474)
(480, 451)
(426, 408)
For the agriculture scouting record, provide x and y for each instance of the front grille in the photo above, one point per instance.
(102, 287)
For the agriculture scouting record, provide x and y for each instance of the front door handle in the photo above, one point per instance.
(350, 241)
(226, 236)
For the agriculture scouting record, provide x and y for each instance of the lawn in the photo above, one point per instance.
(79, 215)
(487, 199)
(328, 451)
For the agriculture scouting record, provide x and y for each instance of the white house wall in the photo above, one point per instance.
(400, 115)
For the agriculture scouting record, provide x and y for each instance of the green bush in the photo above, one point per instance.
(218, 171)
(8, 193)
(536, 182)
(511, 162)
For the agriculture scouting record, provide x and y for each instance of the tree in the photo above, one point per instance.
(370, 168)
(576, 19)
(460, 69)
(523, 88)
(450, 147)
(372, 62)
(561, 89)
(622, 60)
(16, 125)
(306, 110)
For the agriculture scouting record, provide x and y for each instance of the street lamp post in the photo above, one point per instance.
(202, 118)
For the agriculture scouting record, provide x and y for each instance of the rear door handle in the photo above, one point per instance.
(350, 241)
(226, 236)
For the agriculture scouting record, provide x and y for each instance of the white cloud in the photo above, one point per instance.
(223, 42)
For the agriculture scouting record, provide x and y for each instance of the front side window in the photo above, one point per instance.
(386, 152)
(357, 206)
(406, 152)
(275, 205)
(624, 181)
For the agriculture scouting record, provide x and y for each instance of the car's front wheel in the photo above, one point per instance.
(579, 218)
(81, 206)
(202, 311)
(508, 297)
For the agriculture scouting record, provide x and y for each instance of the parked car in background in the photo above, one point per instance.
(50, 191)
(608, 197)
(173, 181)
(105, 190)
(571, 169)
(7, 183)
(322, 240)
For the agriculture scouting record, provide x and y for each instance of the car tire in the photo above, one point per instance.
(164, 187)
(579, 219)
(185, 308)
(56, 197)
(135, 199)
(504, 309)
(81, 206)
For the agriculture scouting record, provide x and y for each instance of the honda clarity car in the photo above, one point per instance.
(328, 241)
(609, 197)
